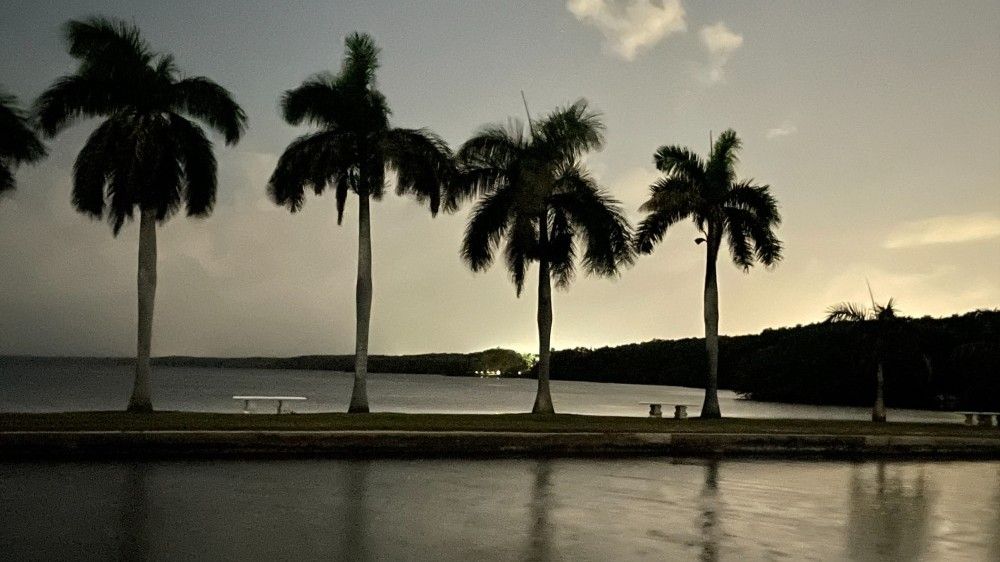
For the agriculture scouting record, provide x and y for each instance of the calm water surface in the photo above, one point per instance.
(40, 387)
(501, 510)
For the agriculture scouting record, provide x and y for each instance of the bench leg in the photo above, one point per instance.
(969, 419)
(246, 406)
(680, 412)
(279, 406)
(655, 411)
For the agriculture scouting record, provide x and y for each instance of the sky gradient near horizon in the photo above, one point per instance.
(877, 124)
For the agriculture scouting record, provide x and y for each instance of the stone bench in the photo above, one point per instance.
(279, 399)
(987, 419)
(656, 410)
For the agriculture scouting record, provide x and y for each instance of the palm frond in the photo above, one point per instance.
(721, 166)
(680, 162)
(423, 164)
(106, 41)
(561, 248)
(361, 60)
(6, 178)
(98, 162)
(847, 312)
(199, 166)
(317, 101)
(71, 97)
(737, 226)
(760, 211)
(311, 162)
(598, 219)
(568, 132)
(18, 142)
(521, 248)
(487, 225)
(211, 104)
(672, 200)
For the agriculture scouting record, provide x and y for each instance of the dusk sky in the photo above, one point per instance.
(877, 125)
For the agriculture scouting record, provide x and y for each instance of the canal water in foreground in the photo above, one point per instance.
(648, 509)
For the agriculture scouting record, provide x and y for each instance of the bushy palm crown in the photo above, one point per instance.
(355, 143)
(709, 193)
(18, 142)
(851, 312)
(535, 193)
(148, 152)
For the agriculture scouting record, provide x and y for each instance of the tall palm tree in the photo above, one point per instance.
(721, 206)
(350, 152)
(147, 154)
(535, 193)
(881, 320)
(18, 142)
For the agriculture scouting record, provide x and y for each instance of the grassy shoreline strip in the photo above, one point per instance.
(81, 435)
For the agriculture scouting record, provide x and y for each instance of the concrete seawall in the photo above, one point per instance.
(24, 445)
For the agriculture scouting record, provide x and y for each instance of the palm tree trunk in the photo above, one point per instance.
(141, 400)
(543, 398)
(359, 396)
(878, 411)
(710, 409)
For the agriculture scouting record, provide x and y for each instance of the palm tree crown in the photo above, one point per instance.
(719, 204)
(148, 152)
(354, 143)
(18, 142)
(536, 193)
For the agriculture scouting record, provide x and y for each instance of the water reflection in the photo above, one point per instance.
(710, 508)
(624, 509)
(995, 547)
(540, 537)
(352, 518)
(133, 543)
(889, 516)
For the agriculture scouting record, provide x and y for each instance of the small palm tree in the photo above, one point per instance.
(880, 320)
(721, 206)
(18, 142)
(350, 153)
(535, 193)
(147, 154)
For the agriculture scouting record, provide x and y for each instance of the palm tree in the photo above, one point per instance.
(721, 206)
(350, 152)
(535, 193)
(881, 320)
(18, 142)
(148, 153)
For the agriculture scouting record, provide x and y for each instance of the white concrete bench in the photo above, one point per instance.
(981, 418)
(280, 399)
(656, 410)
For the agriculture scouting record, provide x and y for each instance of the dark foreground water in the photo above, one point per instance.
(501, 510)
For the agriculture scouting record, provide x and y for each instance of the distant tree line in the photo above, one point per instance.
(508, 362)
(956, 364)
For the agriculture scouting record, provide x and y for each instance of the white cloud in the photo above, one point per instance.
(720, 42)
(631, 26)
(944, 229)
(784, 130)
